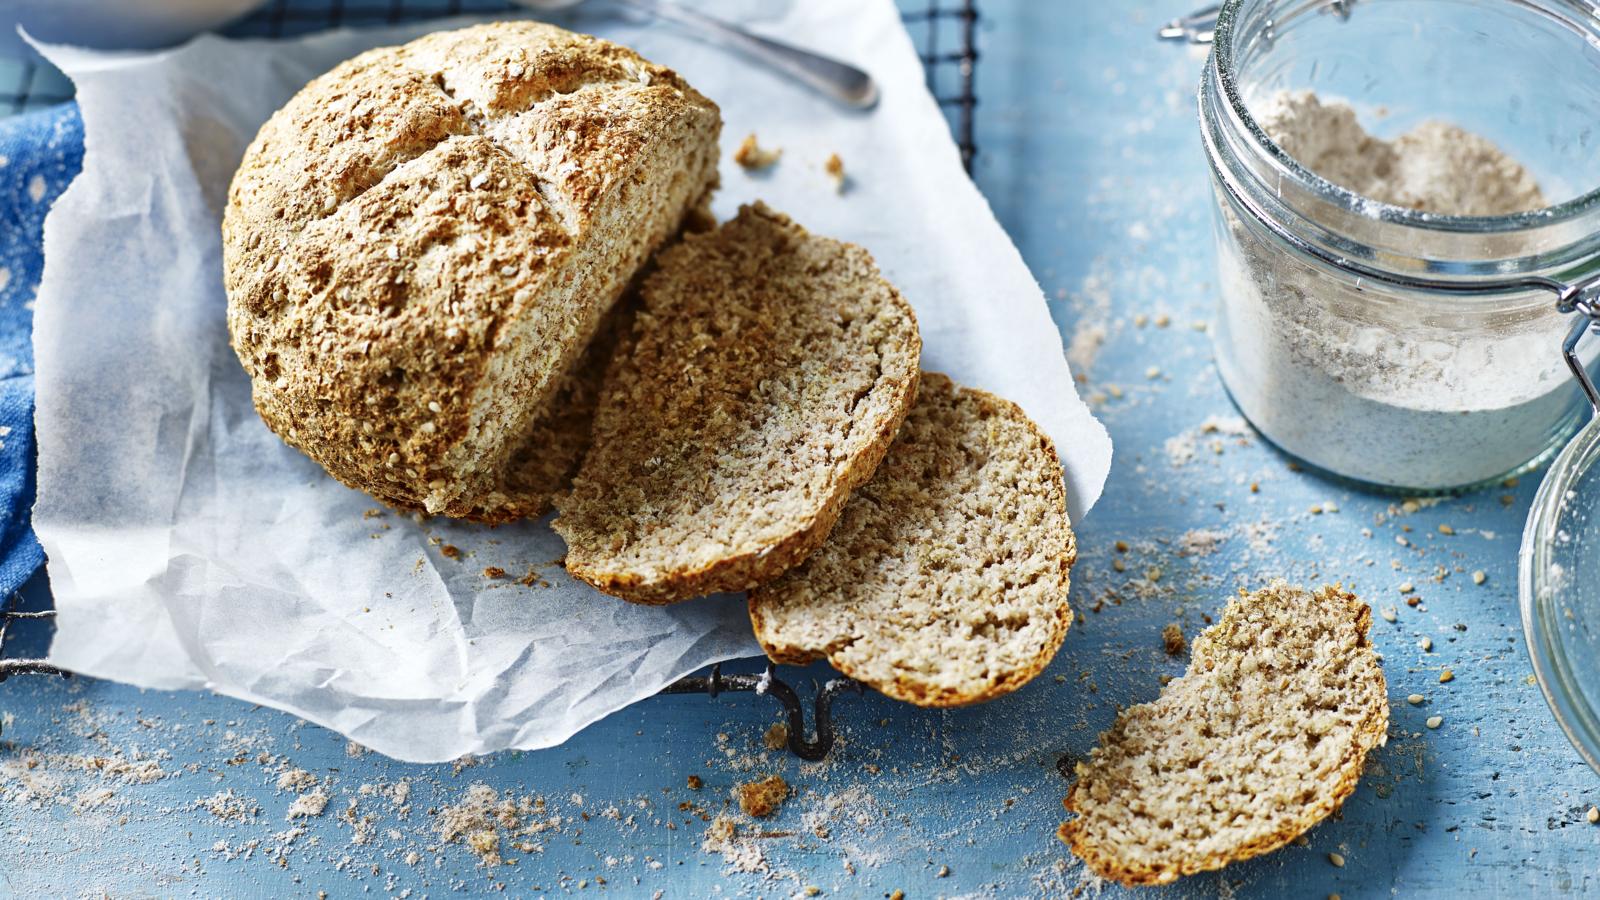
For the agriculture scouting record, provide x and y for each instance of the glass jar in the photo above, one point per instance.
(1560, 590)
(1409, 351)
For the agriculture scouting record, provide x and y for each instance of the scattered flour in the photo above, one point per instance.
(308, 805)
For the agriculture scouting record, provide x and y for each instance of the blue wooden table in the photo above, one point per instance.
(1089, 154)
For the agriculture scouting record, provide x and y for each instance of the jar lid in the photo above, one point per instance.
(1560, 589)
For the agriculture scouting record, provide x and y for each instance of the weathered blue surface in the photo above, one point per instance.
(1090, 157)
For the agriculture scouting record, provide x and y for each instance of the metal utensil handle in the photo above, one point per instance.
(841, 81)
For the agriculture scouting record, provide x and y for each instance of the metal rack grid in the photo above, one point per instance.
(946, 32)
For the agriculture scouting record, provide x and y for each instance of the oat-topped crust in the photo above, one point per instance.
(421, 242)
(768, 372)
(1263, 737)
(945, 581)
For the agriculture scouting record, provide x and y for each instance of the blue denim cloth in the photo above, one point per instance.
(40, 152)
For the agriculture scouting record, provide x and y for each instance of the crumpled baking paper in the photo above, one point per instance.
(188, 547)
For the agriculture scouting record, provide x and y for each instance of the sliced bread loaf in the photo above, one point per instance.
(945, 581)
(1262, 737)
(422, 242)
(769, 370)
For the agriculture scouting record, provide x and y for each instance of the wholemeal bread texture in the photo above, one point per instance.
(768, 372)
(945, 581)
(1263, 737)
(422, 242)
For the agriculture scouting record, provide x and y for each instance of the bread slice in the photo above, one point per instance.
(1263, 737)
(423, 241)
(769, 372)
(945, 581)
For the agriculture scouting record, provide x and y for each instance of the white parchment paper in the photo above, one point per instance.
(188, 547)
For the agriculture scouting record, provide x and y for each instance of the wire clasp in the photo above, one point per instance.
(1583, 298)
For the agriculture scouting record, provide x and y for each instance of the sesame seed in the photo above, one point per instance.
(1153, 372)
(1407, 587)
(1141, 320)
(1163, 320)
(1122, 546)
(433, 406)
(1415, 699)
(1593, 815)
(1446, 675)
(1479, 577)
(394, 458)
(429, 428)
(1446, 529)
(1426, 644)
(1435, 721)
(1337, 860)
(1388, 614)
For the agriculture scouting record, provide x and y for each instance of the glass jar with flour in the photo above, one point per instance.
(1407, 214)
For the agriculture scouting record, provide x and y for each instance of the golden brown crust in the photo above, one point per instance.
(423, 240)
(730, 435)
(807, 614)
(1105, 860)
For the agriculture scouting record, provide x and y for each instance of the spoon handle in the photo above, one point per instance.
(841, 81)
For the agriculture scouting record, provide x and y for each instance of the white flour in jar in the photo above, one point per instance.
(1367, 385)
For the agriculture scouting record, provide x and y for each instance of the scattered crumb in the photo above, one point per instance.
(762, 798)
(752, 156)
(308, 806)
(695, 783)
(1172, 640)
(296, 780)
(229, 807)
(494, 572)
(450, 551)
(777, 737)
(835, 169)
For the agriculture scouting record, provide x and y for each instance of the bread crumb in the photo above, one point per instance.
(752, 156)
(1172, 640)
(762, 798)
(450, 551)
(308, 806)
(835, 169)
(777, 737)
(297, 780)
(695, 783)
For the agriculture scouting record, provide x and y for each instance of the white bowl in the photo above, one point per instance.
(112, 24)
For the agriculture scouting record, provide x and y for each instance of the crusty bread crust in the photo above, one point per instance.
(422, 241)
(1113, 862)
(769, 372)
(828, 604)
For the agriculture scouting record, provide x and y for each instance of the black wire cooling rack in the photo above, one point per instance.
(945, 32)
